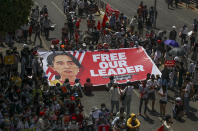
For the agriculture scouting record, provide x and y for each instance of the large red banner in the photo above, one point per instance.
(125, 64)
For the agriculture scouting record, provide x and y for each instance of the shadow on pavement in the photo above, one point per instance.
(148, 119)
(192, 116)
(192, 109)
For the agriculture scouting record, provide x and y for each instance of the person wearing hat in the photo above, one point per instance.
(173, 33)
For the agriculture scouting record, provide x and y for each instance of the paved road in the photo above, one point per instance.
(166, 19)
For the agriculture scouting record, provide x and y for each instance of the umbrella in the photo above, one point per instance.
(171, 43)
(177, 52)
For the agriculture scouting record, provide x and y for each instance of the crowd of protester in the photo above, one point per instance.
(28, 103)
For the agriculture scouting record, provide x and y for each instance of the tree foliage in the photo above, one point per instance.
(14, 13)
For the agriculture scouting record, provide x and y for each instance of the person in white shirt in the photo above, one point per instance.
(152, 85)
(163, 100)
(115, 97)
(128, 97)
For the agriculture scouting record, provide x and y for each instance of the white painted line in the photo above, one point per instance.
(44, 44)
(55, 5)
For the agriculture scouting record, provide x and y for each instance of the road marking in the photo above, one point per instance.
(55, 5)
(44, 44)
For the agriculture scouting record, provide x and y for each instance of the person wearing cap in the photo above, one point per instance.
(173, 33)
(128, 91)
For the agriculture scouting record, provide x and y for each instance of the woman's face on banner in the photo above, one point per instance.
(66, 68)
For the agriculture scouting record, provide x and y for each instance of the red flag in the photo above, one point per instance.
(105, 19)
(98, 26)
(161, 128)
(109, 11)
(78, 24)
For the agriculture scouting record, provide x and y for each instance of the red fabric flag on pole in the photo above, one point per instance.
(105, 19)
(78, 24)
(109, 11)
(98, 26)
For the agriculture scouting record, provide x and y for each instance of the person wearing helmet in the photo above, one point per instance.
(133, 123)
(178, 109)
(173, 33)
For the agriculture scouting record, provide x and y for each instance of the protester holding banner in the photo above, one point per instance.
(127, 94)
(115, 97)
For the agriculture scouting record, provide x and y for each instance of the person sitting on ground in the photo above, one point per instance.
(178, 109)
(119, 123)
(133, 123)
